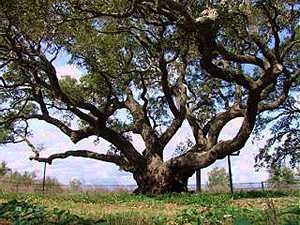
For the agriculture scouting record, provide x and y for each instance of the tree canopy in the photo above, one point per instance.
(149, 65)
(283, 146)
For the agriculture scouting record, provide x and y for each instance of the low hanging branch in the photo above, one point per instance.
(118, 160)
(82, 153)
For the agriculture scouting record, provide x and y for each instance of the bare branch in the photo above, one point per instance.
(118, 160)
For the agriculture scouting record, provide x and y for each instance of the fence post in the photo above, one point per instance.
(44, 177)
(262, 186)
(198, 180)
(230, 175)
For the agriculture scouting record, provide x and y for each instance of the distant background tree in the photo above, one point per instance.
(218, 180)
(27, 181)
(4, 169)
(75, 185)
(7, 175)
(51, 184)
(27, 178)
(281, 176)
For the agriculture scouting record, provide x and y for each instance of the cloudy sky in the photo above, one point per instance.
(101, 173)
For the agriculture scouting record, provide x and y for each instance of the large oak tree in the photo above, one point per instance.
(150, 65)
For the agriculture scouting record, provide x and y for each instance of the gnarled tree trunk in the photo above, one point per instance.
(158, 178)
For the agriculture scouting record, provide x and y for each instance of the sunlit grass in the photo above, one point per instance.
(177, 209)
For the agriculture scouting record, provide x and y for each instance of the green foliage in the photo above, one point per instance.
(206, 209)
(186, 199)
(4, 169)
(281, 176)
(283, 145)
(26, 178)
(218, 179)
(238, 216)
(263, 194)
(241, 221)
(291, 216)
(51, 184)
(133, 218)
(70, 87)
(11, 179)
(26, 213)
(4, 134)
(189, 216)
(159, 220)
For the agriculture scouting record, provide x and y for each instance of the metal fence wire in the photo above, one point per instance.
(14, 186)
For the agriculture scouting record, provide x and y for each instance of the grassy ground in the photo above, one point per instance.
(177, 209)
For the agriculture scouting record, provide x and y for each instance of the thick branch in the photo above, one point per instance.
(274, 26)
(283, 96)
(142, 123)
(75, 135)
(215, 126)
(178, 111)
(243, 59)
(118, 160)
(124, 145)
(227, 75)
(194, 159)
(51, 73)
(198, 134)
(165, 86)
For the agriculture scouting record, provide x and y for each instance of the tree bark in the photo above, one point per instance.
(158, 178)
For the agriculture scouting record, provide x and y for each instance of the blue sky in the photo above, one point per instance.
(90, 171)
(101, 173)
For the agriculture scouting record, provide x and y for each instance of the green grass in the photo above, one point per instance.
(122, 208)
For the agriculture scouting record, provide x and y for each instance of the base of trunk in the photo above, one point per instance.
(160, 184)
(157, 178)
(160, 189)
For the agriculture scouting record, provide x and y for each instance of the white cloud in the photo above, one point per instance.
(138, 142)
(231, 129)
(68, 70)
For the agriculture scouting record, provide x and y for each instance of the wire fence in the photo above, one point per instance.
(12, 186)
(250, 186)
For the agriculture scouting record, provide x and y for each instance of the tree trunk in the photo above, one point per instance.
(157, 178)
